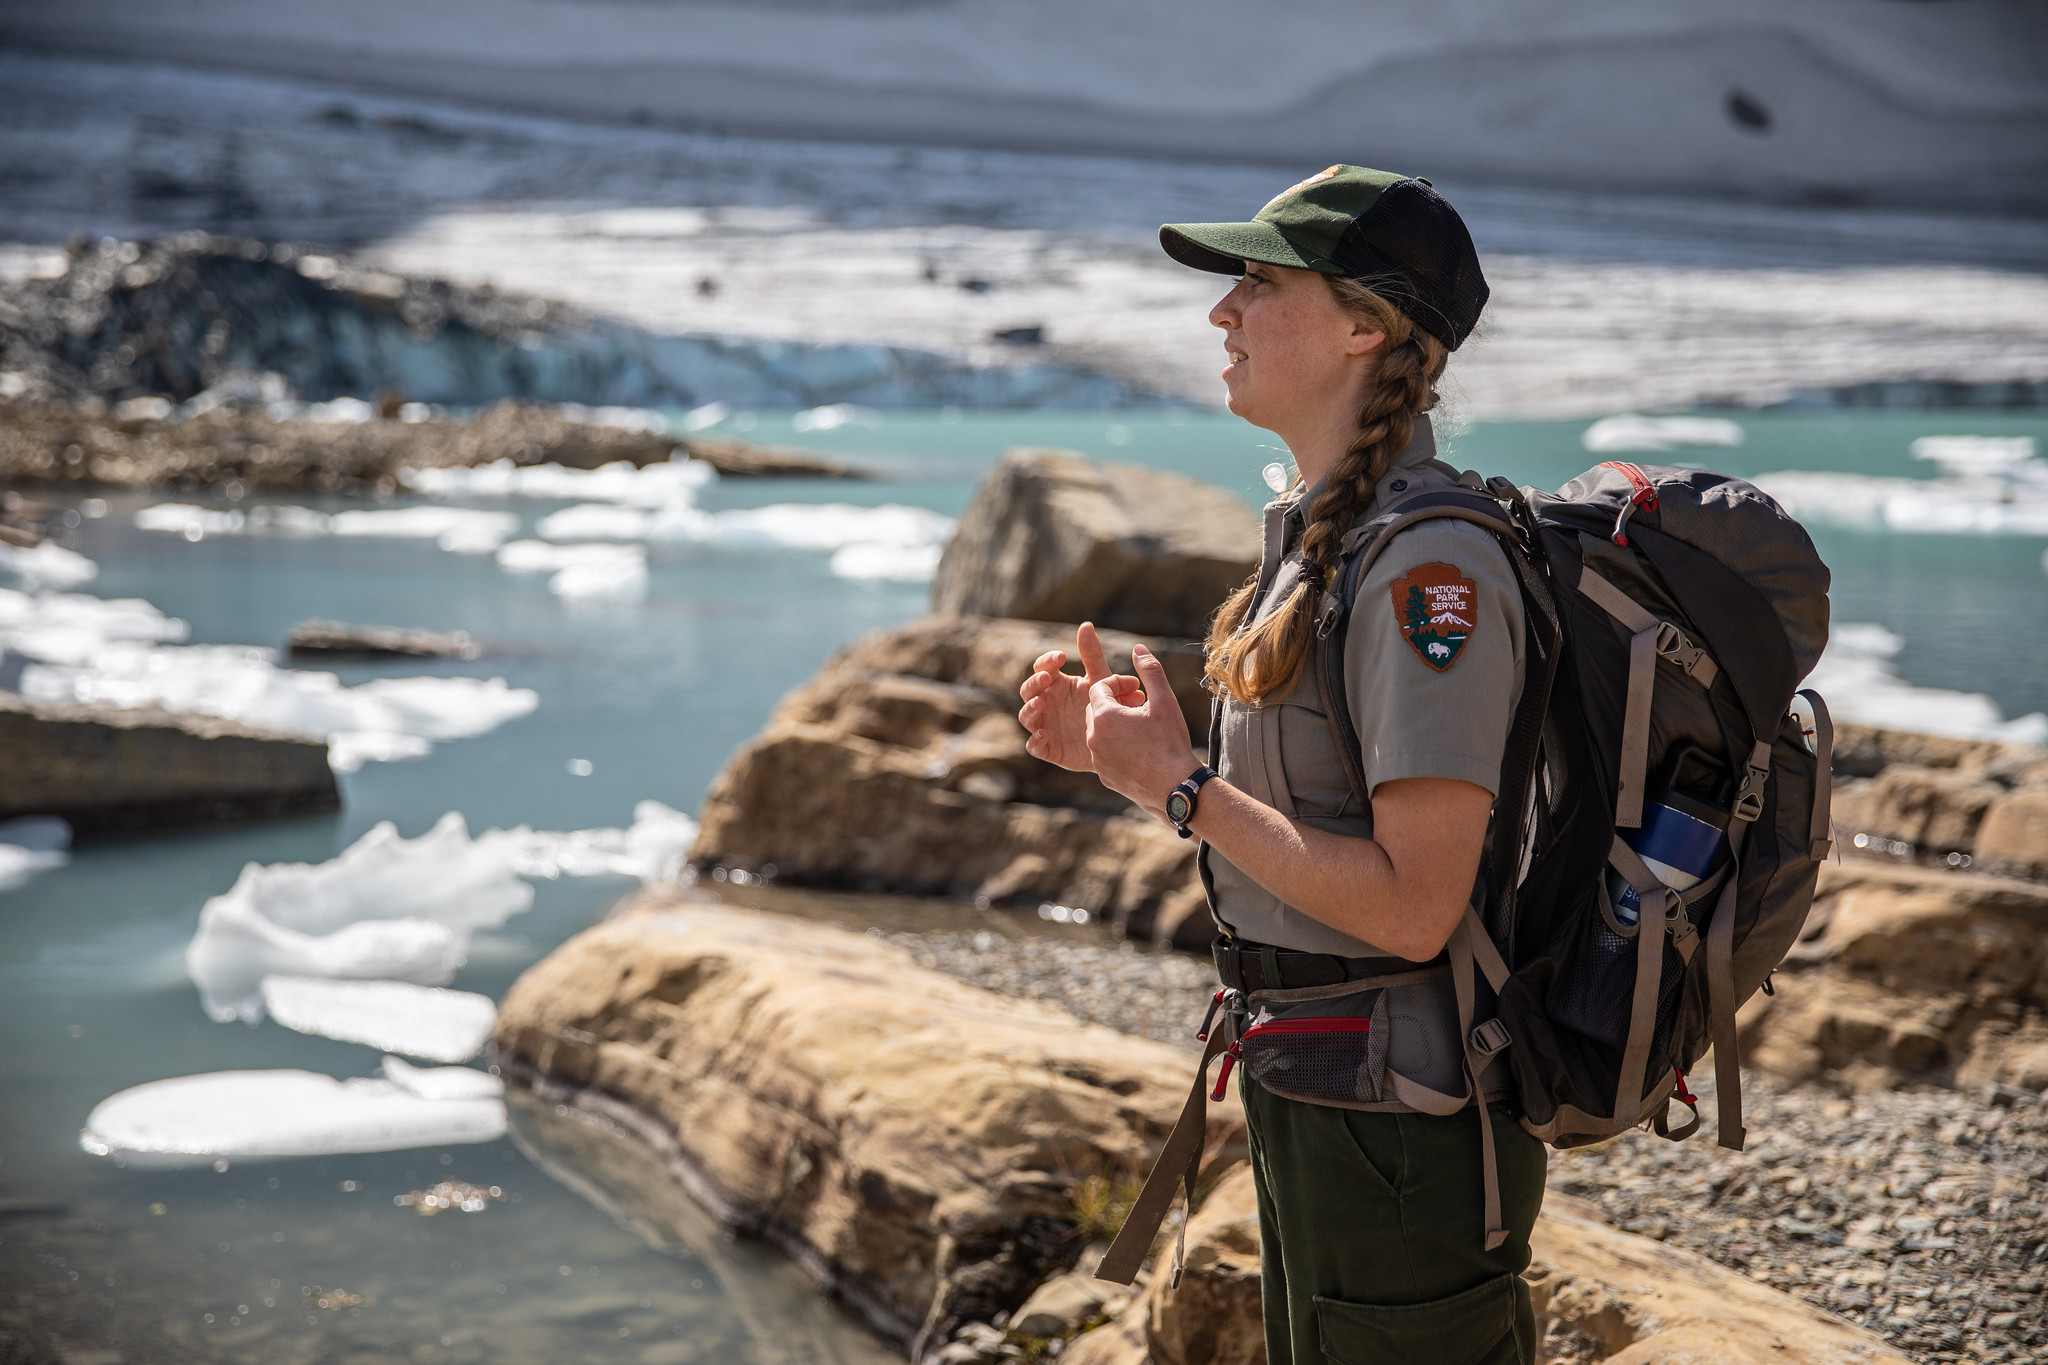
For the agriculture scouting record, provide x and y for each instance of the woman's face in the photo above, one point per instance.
(1293, 351)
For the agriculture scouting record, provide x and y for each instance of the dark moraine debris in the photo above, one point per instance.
(114, 770)
(334, 640)
(46, 442)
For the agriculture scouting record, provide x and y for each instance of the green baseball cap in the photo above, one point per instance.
(1355, 221)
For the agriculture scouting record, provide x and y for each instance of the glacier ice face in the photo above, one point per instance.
(392, 1016)
(261, 1115)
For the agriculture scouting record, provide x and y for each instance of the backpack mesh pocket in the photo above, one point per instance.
(1324, 1051)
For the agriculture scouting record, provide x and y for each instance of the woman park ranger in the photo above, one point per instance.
(1389, 1230)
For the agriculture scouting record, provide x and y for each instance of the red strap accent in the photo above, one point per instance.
(1683, 1093)
(1223, 1073)
(1646, 492)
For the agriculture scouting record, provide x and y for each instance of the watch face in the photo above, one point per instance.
(1177, 807)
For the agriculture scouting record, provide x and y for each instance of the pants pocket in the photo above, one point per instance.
(1492, 1323)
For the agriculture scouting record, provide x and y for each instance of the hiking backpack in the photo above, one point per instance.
(1662, 815)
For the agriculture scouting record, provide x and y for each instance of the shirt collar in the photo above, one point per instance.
(1421, 449)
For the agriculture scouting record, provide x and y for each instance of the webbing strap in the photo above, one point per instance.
(1178, 1162)
(1818, 830)
(1463, 951)
(1642, 1017)
(1616, 603)
(1635, 730)
(1721, 986)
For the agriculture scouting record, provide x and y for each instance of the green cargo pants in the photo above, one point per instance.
(1370, 1235)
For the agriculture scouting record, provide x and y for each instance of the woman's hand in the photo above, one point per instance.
(1055, 708)
(1137, 737)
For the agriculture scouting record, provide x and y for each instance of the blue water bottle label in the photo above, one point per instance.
(1679, 847)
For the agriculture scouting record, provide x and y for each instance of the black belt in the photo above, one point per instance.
(1247, 966)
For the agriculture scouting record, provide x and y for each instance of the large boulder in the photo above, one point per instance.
(1601, 1293)
(1910, 974)
(1902, 793)
(2014, 834)
(106, 769)
(900, 767)
(1052, 536)
(921, 1145)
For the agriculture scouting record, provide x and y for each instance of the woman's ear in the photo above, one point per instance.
(1364, 338)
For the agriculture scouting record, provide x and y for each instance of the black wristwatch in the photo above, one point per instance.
(1180, 804)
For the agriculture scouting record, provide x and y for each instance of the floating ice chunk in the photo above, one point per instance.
(1632, 431)
(258, 1115)
(833, 416)
(392, 1016)
(351, 410)
(1856, 676)
(31, 844)
(380, 720)
(442, 1082)
(705, 416)
(349, 751)
(385, 908)
(806, 525)
(593, 521)
(621, 481)
(581, 571)
(196, 523)
(2013, 505)
(47, 565)
(651, 849)
(1974, 454)
(462, 526)
(69, 628)
(623, 582)
(897, 563)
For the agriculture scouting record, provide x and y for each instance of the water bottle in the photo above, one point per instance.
(1682, 840)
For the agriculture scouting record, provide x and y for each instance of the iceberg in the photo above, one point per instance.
(47, 565)
(1856, 676)
(589, 521)
(621, 481)
(458, 529)
(262, 1115)
(1631, 431)
(392, 909)
(32, 844)
(385, 908)
(581, 570)
(391, 1016)
(805, 525)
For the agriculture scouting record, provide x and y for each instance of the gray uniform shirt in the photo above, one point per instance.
(1432, 669)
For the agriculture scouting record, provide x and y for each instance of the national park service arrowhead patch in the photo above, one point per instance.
(1437, 608)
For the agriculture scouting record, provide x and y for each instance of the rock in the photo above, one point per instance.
(737, 459)
(901, 768)
(915, 1142)
(333, 640)
(1907, 973)
(1060, 1306)
(1051, 536)
(1936, 810)
(107, 769)
(2014, 835)
(1867, 750)
(227, 445)
(1626, 1297)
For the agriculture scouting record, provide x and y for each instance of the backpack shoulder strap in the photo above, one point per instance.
(1362, 546)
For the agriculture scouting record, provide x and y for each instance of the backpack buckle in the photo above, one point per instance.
(1489, 1039)
(1326, 617)
(1749, 798)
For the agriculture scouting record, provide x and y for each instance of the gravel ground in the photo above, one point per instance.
(1915, 1213)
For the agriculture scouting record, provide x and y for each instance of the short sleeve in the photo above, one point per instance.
(1433, 656)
